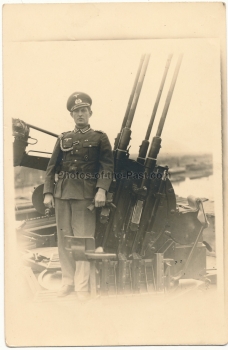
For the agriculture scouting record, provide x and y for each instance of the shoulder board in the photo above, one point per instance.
(100, 131)
(63, 134)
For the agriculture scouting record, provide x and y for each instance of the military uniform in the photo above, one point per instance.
(83, 162)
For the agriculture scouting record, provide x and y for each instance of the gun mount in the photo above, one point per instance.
(144, 240)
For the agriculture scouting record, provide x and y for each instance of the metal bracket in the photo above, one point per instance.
(159, 272)
(122, 270)
(136, 272)
(105, 277)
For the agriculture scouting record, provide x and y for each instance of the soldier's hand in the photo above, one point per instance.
(49, 200)
(100, 198)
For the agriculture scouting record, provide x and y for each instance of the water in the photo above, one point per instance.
(202, 187)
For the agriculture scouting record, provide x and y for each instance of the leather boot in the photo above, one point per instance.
(65, 290)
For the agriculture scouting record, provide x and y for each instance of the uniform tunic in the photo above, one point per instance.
(83, 160)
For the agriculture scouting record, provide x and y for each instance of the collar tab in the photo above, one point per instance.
(83, 130)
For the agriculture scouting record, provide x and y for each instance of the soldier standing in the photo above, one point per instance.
(83, 160)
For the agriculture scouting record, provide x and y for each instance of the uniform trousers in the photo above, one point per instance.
(74, 219)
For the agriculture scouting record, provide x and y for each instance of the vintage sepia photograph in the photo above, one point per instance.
(116, 188)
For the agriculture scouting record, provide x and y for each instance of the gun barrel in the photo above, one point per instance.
(169, 97)
(123, 140)
(137, 92)
(158, 97)
(42, 130)
(145, 143)
(117, 139)
(132, 92)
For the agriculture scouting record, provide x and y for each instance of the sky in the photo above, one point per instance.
(40, 76)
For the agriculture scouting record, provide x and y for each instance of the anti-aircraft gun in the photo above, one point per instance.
(149, 242)
(147, 230)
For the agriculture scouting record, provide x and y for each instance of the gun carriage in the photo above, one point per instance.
(145, 241)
